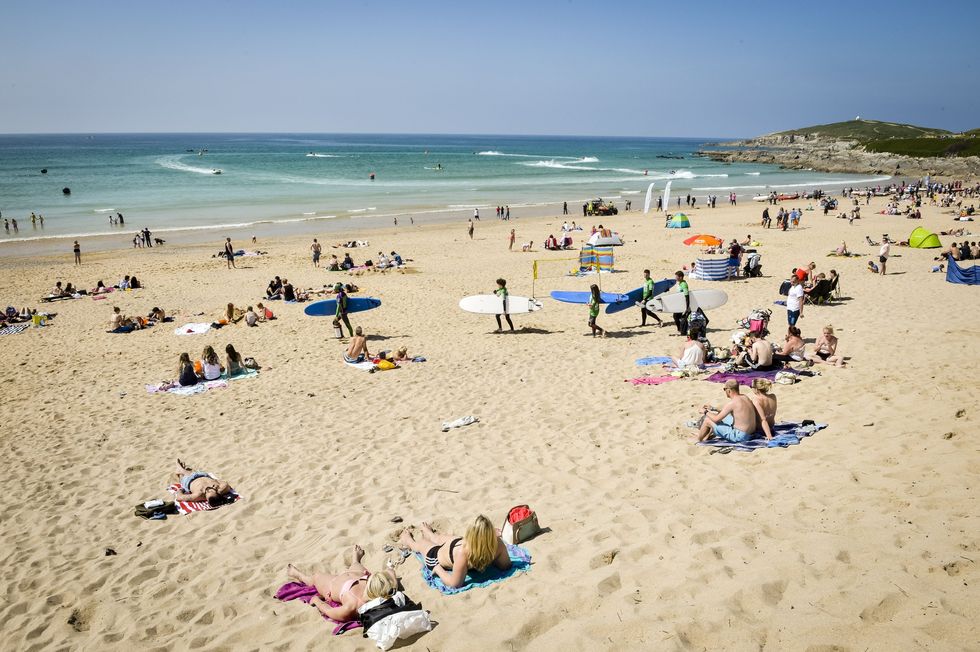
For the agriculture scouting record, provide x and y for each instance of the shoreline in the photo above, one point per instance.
(365, 221)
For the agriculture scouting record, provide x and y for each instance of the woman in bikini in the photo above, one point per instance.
(348, 589)
(450, 558)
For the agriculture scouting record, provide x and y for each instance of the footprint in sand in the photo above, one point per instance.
(884, 610)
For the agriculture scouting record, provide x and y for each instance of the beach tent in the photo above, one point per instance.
(679, 221)
(592, 258)
(962, 275)
(718, 269)
(924, 239)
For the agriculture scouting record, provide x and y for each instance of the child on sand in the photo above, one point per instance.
(594, 302)
(503, 293)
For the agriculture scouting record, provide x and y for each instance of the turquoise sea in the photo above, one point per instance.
(166, 182)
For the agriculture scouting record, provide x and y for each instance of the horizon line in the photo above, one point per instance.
(356, 133)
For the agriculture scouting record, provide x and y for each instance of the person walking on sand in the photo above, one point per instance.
(594, 302)
(503, 293)
(230, 253)
(78, 253)
(564, 208)
(476, 214)
(341, 313)
(316, 249)
(469, 229)
(647, 295)
(680, 318)
(513, 236)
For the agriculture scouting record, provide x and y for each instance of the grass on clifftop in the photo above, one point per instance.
(866, 130)
(923, 147)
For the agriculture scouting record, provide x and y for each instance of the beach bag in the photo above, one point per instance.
(385, 365)
(785, 378)
(386, 620)
(250, 363)
(520, 525)
(157, 511)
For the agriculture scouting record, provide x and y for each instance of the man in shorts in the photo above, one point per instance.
(738, 421)
(316, 249)
(230, 253)
(883, 252)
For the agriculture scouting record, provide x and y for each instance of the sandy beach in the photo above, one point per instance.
(859, 538)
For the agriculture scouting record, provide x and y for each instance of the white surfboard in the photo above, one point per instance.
(491, 304)
(674, 301)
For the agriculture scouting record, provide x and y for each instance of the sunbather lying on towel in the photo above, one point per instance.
(450, 558)
(352, 588)
(199, 486)
(737, 421)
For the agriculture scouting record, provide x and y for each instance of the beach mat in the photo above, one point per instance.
(201, 387)
(192, 329)
(656, 359)
(305, 593)
(784, 435)
(652, 380)
(520, 560)
(746, 377)
(13, 329)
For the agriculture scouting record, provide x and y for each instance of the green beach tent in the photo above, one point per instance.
(679, 221)
(923, 239)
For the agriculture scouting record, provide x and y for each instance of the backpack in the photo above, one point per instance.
(520, 525)
(386, 620)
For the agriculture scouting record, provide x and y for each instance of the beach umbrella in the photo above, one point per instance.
(703, 240)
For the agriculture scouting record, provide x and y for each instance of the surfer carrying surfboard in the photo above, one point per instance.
(503, 293)
(647, 295)
(680, 318)
(341, 313)
(594, 302)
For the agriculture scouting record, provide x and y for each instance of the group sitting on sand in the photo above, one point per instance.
(742, 417)
(209, 367)
(120, 323)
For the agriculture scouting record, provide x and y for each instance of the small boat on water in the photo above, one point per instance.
(215, 171)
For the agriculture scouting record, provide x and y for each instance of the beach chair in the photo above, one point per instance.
(819, 294)
(834, 288)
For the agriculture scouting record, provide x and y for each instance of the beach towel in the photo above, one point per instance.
(305, 593)
(651, 380)
(520, 562)
(184, 507)
(367, 365)
(192, 329)
(13, 329)
(784, 434)
(746, 377)
(656, 359)
(173, 387)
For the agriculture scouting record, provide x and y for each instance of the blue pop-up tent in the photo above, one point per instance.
(963, 275)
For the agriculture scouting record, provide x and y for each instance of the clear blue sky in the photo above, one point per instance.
(689, 68)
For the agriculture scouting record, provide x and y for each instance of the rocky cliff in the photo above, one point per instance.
(810, 152)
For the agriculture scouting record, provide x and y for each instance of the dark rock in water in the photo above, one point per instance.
(66, 190)
(44, 170)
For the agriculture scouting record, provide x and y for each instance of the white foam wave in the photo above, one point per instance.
(315, 155)
(585, 159)
(105, 210)
(803, 184)
(576, 165)
(753, 174)
(175, 163)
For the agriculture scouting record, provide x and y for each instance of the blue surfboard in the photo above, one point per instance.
(634, 296)
(584, 297)
(328, 308)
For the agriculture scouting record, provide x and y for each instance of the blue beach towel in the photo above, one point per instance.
(784, 435)
(520, 562)
(657, 359)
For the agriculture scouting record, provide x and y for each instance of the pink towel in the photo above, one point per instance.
(651, 380)
(304, 593)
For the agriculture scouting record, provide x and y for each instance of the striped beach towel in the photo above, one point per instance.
(184, 507)
(13, 329)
